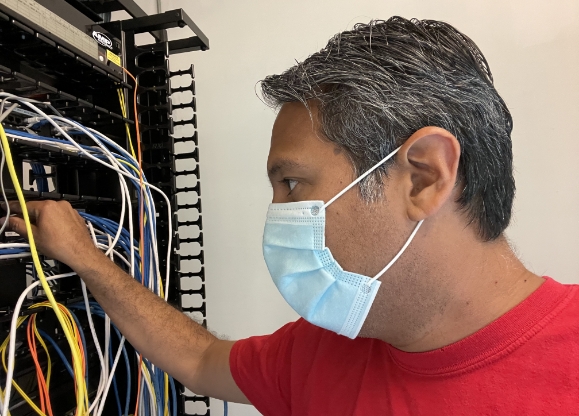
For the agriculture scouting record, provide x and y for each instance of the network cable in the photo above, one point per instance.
(82, 398)
(140, 257)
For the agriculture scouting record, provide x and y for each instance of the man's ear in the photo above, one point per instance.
(428, 161)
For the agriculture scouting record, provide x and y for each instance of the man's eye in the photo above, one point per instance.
(291, 183)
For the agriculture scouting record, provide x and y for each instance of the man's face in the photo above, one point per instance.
(304, 166)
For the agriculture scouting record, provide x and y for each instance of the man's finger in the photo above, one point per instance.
(14, 207)
(33, 208)
(18, 226)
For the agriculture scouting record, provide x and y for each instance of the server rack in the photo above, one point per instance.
(41, 58)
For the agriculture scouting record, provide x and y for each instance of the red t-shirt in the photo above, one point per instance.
(524, 363)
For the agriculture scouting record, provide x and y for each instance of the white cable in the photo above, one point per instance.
(63, 146)
(124, 188)
(110, 380)
(107, 347)
(14, 256)
(113, 161)
(104, 247)
(59, 128)
(107, 320)
(150, 207)
(123, 171)
(142, 400)
(150, 388)
(12, 335)
(152, 215)
(106, 378)
(93, 333)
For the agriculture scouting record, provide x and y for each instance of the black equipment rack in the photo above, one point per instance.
(37, 63)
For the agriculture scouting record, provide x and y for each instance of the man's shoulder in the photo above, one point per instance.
(564, 315)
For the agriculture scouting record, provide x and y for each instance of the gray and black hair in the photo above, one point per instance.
(378, 83)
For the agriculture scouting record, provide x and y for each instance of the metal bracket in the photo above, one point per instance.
(169, 20)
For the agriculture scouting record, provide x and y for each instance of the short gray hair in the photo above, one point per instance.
(378, 83)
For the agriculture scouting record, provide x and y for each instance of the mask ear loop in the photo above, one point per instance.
(347, 188)
(369, 171)
(397, 256)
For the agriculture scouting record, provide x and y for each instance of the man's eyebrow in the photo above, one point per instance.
(281, 165)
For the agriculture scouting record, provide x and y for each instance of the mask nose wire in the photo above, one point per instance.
(369, 171)
(397, 256)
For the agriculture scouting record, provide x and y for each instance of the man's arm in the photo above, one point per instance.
(165, 336)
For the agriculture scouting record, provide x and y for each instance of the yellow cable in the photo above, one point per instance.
(166, 412)
(124, 112)
(81, 392)
(16, 386)
(71, 324)
(148, 379)
(49, 369)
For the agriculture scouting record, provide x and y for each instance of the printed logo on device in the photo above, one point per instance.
(102, 39)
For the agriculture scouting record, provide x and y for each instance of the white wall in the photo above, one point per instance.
(531, 46)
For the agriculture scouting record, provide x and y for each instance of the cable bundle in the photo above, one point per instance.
(156, 390)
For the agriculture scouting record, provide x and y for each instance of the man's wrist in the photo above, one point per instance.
(92, 261)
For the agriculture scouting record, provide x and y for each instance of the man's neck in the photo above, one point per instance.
(484, 287)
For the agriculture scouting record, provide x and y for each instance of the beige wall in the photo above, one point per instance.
(532, 48)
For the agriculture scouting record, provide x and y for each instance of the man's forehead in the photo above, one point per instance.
(297, 145)
(291, 135)
(295, 128)
(295, 119)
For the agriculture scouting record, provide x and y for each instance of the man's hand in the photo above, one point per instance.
(59, 232)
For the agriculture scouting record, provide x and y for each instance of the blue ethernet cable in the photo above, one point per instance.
(173, 396)
(48, 338)
(16, 250)
(41, 181)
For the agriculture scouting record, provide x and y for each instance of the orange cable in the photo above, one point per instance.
(32, 348)
(42, 388)
(140, 161)
(141, 216)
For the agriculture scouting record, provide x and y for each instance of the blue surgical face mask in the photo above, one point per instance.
(306, 273)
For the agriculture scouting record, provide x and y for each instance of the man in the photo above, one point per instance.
(391, 168)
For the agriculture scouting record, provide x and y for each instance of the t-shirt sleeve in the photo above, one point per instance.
(261, 367)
